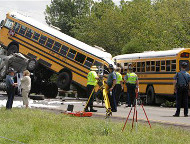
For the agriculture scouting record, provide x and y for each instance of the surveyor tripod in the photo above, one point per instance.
(134, 105)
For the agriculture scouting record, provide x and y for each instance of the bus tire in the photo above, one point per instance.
(150, 95)
(50, 90)
(64, 81)
(32, 64)
(12, 49)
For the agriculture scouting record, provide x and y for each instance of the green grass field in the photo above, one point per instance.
(41, 127)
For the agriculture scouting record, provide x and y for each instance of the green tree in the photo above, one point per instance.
(60, 13)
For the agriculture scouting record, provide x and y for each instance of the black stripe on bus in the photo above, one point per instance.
(156, 78)
(52, 60)
(48, 54)
(155, 72)
(44, 62)
(32, 56)
(157, 83)
(53, 52)
(61, 39)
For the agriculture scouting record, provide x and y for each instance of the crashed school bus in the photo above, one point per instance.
(155, 70)
(54, 52)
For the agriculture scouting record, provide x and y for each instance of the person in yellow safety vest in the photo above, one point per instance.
(91, 83)
(119, 85)
(131, 80)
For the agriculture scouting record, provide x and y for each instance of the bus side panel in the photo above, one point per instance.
(4, 37)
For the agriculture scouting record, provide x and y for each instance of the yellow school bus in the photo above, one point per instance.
(155, 70)
(54, 51)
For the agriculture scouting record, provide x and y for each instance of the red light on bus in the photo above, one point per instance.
(185, 55)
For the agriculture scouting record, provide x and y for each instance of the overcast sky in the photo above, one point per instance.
(32, 8)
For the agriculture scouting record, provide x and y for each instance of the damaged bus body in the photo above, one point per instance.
(54, 53)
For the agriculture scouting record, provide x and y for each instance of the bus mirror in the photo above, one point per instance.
(2, 22)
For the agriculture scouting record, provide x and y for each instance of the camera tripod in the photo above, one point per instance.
(135, 113)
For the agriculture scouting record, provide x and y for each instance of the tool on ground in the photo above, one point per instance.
(135, 114)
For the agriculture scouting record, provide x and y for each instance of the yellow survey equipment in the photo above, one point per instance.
(106, 99)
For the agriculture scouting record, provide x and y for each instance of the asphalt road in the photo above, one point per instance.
(155, 114)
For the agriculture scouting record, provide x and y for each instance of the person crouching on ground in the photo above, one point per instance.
(10, 88)
(26, 86)
(91, 83)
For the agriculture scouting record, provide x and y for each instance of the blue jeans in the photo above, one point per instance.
(10, 93)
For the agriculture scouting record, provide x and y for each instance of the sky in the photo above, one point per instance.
(32, 8)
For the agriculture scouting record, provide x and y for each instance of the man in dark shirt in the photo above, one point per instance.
(10, 88)
(181, 86)
(111, 82)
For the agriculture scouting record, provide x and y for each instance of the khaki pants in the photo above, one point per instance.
(25, 96)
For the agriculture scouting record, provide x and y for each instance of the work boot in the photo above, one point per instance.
(86, 110)
(93, 110)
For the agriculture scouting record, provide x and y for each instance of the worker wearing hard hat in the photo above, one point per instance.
(91, 83)
(119, 85)
(131, 80)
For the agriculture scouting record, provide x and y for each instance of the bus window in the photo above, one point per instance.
(143, 66)
(152, 65)
(148, 66)
(16, 27)
(96, 63)
(80, 58)
(42, 39)
(64, 50)
(181, 61)
(163, 65)
(22, 30)
(71, 54)
(173, 65)
(29, 33)
(157, 66)
(88, 62)
(9, 23)
(106, 70)
(168, 65)
(125, 64)
(49, 43)
(56, 46)
(36, 36)
(138, 67)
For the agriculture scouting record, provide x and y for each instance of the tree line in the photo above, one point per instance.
(132, 26)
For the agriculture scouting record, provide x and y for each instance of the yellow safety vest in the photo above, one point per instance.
(118, 78)
(92, 78)
(131, 78)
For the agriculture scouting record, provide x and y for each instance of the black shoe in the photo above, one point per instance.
(114, 110)
(93, 110)
(175, 115)
(185, 115)
(86, 110)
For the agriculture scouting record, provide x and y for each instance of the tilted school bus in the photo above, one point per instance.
(54, 51)
(155, 70)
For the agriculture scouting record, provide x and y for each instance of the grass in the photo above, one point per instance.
(41, 127)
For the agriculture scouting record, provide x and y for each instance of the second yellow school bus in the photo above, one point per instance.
(155, 70)
(55, 52)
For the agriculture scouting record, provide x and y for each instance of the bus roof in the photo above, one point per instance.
(149, 54)
(49, 30)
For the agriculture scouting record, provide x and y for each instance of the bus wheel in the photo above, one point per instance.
(150, 95)
(64, 81)
(32, 64)
(12, 49)
(50, 90)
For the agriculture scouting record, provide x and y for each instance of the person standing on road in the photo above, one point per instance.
(10, 87)
(111, 82)
(119, 85)
(26, 86)
(91, 83)
(181, 87)
(131, 80)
